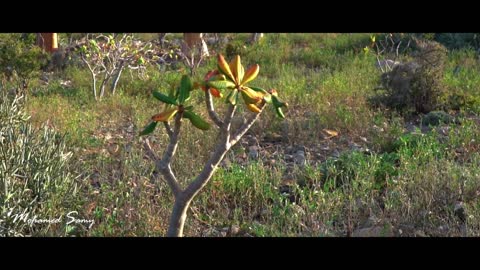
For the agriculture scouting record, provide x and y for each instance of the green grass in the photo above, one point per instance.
(409, 182)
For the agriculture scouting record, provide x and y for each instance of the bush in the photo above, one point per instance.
(20, 60)
(417, 85)
(236, 47)
(435, 118)
(459, 40)
(34, 174)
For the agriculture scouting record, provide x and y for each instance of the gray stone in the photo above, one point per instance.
(459, 211)
(420, 233)
(376, 231)
(299, 158)
(234, 230)
(253, 152)
(335, 153)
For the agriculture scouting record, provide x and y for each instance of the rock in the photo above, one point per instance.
(253, 152)
(226, 163)
(355, 146)
(66, 83)
(411, 127)
(251, 140)
(211, 41)
(406, 230)
(113, 149)
(271, 162)
(287, 189)
(128, 148)
(378, 129)
(299, 158)
(420, 233)
(301, 148)
(224, 231)
(371, 222)
(108, 136)
(234, 230)
(375, 231)
(273, 138)
(45, 78)
(443, 229)
(459, 211)
(298, 210)
(324, 148)
(130, 128)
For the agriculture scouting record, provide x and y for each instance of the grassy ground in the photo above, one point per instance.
(406, 184)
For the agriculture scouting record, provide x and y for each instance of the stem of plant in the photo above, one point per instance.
(223, 145)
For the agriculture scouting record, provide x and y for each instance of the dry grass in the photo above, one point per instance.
(326, 82)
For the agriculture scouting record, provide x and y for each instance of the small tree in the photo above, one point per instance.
(229, 77)
(194, 50)
(108, 55)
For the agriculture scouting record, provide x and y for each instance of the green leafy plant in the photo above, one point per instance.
(228, 77)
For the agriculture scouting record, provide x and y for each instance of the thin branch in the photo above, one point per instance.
(168, 129)
(163, 165)
(396, 51)
(94, 76)
(223, 145)
(172, 146)
(246, 126)
(167, 172)
(117, 76)
(211, 111)
(228, 120)
(169, 178)
(152, 155)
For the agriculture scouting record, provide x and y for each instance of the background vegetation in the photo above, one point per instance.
(361, 152)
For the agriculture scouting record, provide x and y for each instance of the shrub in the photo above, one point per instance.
(459, 40)
(34, 177)
(106, 56)
(417, 85)
(435, 118)
(20, 61)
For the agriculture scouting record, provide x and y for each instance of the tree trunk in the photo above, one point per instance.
(161, 38)
(117, 78)
(194, 39)
(47, 41)
(94, 85)
(256, 37)
(178, 217)
(104, 82)
(182, 202)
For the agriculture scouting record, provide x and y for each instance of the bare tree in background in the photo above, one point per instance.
(194, 50)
